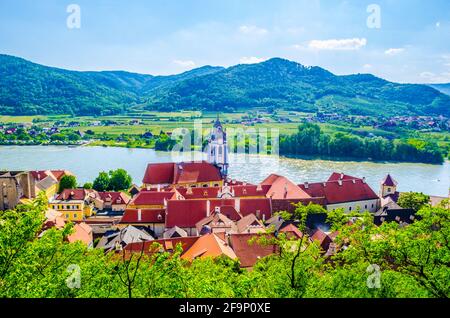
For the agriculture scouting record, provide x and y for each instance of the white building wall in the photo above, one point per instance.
(368, 205)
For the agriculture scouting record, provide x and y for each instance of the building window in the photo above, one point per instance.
(205, 186)
(75, 216)
(389, 189)
(350, 208)
(365, 207)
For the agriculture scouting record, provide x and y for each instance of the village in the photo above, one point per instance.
(197, 205)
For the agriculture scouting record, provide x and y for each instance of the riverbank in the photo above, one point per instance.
(87, 161)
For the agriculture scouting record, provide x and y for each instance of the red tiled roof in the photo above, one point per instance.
(114, 197)
(252, 206)
(248, 254)
(185, 213)
(131, 216)
(283, 188)
(209, 245)
(193, 172)
(73, 194)
(39, 175)
(341, 191)
(185, 172)
(322, 238)
(159, 173)
(388, 181)
(291, 229)
(59, 174)
(151, 198)
(82, 232)
(340, 176)
(199, 193)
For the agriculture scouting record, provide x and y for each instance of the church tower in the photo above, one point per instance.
(218, 148)
(388, 186)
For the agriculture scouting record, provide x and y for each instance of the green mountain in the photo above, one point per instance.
(29, 88)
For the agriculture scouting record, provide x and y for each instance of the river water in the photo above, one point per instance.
(87, 162)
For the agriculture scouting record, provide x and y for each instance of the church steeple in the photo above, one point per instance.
(218, 148)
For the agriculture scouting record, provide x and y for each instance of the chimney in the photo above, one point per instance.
(139, 215)
(324, 184)
(340, 182)
(306, 185)
(342, 176)
(364, 179)
(208, 207)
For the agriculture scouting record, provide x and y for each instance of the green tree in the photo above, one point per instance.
(119, 180)
(67, 182)
(102, 182)
(88, 185)
(413, 200)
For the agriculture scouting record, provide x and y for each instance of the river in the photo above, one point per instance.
(87, 162)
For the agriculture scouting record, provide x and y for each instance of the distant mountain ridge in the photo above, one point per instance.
(443, 88)
(27, 88)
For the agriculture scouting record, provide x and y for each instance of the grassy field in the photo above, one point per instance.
(168, 121)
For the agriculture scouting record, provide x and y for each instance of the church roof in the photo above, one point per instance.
(389, 181)
(184, 172)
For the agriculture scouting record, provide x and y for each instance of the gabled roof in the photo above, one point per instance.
(389, 181)
(322, 238)
(75, 194)
(175, 232)
(249, 253)
(283, 188)
(114, 197)
(250, 224)
(256, 206)
(193, 172)
(159, 173)
(166, 244)
(334, 192)
(180, 173)
(82, 232)
(151, 198)
(46, 183)
(131, 216)
(216, 221)
(127, 235)
(291, 229)
(185, 213)
(209, 245)
(335, 176)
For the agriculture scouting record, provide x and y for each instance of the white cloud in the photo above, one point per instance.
(252, 30)
(184, 64)
(367, 66)
(431, 77)
(251, 60)
(393, 52)
(338, 44)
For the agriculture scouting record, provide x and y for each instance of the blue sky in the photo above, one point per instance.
(172, 36)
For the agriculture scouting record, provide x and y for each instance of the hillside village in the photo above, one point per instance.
(197, 205)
